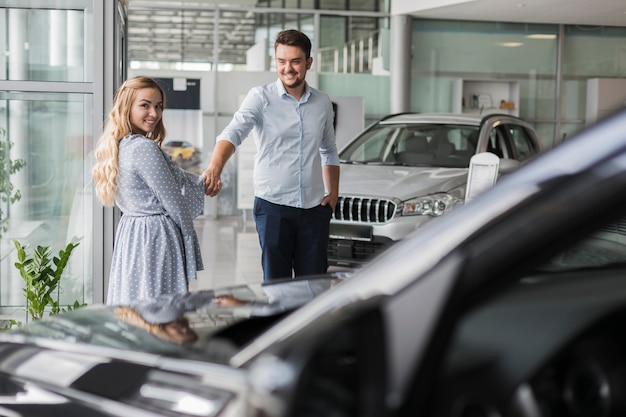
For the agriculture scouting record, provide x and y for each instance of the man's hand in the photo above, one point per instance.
(331, 182)
(212, 182)
(331, 200)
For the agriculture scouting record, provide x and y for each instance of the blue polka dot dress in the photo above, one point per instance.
(156, 247)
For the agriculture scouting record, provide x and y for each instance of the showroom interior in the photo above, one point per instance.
(64, 59)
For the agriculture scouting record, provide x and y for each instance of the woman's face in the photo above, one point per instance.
(146, 110)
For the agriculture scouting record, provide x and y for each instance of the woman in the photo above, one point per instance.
(156, 248)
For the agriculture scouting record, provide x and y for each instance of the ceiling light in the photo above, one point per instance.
(510, 44)
(542, 36)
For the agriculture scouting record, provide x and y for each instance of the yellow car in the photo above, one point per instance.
(182, 152)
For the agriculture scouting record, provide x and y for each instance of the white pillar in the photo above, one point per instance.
(57, 44)
(75, 45)
(3, 45)
(400, 64)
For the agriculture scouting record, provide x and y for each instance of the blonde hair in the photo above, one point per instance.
(106, 166)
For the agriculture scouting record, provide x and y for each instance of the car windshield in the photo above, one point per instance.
(175, 144)
(410, 144)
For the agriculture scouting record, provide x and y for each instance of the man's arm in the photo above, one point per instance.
(331, 181)
(222, 151)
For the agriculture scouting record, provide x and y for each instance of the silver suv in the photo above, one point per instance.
(405, 169)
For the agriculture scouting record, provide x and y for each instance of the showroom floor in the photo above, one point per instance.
(230, 251)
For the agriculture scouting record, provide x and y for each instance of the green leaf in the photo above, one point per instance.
(41, 275)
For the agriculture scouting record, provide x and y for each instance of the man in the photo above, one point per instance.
(296, 168)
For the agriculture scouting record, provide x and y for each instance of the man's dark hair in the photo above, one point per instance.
(292, 37)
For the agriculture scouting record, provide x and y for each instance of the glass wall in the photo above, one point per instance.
(51, 133)
(44, 44)
(445, 51)
(588, 52)
(51, 107)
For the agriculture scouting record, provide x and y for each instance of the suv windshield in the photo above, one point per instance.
(408, 144)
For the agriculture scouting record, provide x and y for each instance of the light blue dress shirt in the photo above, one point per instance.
(294, 139)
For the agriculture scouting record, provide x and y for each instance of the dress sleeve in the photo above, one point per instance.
(181, 193)
(193, 186)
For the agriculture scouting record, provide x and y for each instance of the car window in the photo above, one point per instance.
(464, 140)
(523, 145)
(370, 146)
(415, 145)
(436, 145)
(497, 144)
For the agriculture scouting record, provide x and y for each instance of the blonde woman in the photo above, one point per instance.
(156, 249)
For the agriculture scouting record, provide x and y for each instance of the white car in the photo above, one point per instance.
(407, 168)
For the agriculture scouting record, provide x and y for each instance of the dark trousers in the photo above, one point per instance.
(294, 241)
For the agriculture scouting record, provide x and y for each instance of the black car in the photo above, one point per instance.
(511, 305)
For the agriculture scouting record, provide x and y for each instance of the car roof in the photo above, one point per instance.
(443, 118)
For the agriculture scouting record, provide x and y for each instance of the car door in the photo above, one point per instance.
(519, 141)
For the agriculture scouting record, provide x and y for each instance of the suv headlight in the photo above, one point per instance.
(431, 205)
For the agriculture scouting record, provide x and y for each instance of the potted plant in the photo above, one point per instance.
(42, 273)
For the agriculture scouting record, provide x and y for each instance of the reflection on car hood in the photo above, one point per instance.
(398, 181)
(208, 314)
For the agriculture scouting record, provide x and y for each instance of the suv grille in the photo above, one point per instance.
(364, 210)
(354, 253)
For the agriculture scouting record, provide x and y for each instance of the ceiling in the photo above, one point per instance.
(171, 31)
(571, 12)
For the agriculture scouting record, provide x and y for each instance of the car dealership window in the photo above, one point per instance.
(46, 44)
(51, 107)
(50, 132)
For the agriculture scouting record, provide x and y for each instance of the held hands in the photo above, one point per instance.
(212, 182)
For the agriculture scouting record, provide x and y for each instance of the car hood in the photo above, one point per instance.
(399, 181)
(208, 315)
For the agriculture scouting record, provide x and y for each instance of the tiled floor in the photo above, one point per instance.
(230, 251)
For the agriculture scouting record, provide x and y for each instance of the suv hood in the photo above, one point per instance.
(398, 181)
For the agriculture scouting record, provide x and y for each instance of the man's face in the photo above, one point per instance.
(291, 65)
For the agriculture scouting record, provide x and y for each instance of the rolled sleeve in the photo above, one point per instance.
(245, 119)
